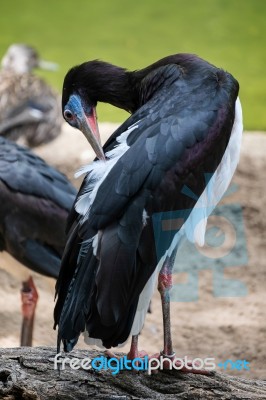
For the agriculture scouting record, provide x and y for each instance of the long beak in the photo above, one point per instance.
(89, 127)
(51, 66)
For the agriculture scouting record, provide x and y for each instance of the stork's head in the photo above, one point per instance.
(79, 108)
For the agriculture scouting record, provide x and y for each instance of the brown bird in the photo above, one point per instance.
(26, 99)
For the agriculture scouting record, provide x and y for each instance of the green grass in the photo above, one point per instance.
(229, 33)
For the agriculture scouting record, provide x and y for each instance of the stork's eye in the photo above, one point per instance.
(68, 115)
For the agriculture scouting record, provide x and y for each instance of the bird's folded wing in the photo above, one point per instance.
(24, 172)
(180, 133)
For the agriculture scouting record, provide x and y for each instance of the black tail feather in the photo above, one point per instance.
(76, 305)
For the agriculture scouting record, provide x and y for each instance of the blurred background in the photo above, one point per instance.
(228, 33)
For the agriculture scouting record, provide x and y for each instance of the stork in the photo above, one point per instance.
(185, 124)
(35, 201)
(26, 99)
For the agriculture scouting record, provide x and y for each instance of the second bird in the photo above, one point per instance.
(26, 99)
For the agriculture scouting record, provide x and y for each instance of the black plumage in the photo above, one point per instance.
(183, 111)
(35, 201)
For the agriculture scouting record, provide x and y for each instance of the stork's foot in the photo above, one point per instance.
(161, 361)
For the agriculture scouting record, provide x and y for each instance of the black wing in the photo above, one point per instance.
(181, 126)
(24, 172)
(35, 202)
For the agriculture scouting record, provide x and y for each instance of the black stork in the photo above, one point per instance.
(184, 132)
(27, 99)
(35, 201)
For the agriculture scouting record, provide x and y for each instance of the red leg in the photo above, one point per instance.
(134, 352)
(29, 297)
(164, 286)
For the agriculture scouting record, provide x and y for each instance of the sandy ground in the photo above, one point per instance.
(204, 325)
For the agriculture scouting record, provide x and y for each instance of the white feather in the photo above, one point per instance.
(144, 217)
(98, 170)
(95, 244)
(195, 226)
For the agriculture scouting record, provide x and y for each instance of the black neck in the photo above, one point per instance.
(104, 82)
(130, 90)
(98, 81)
